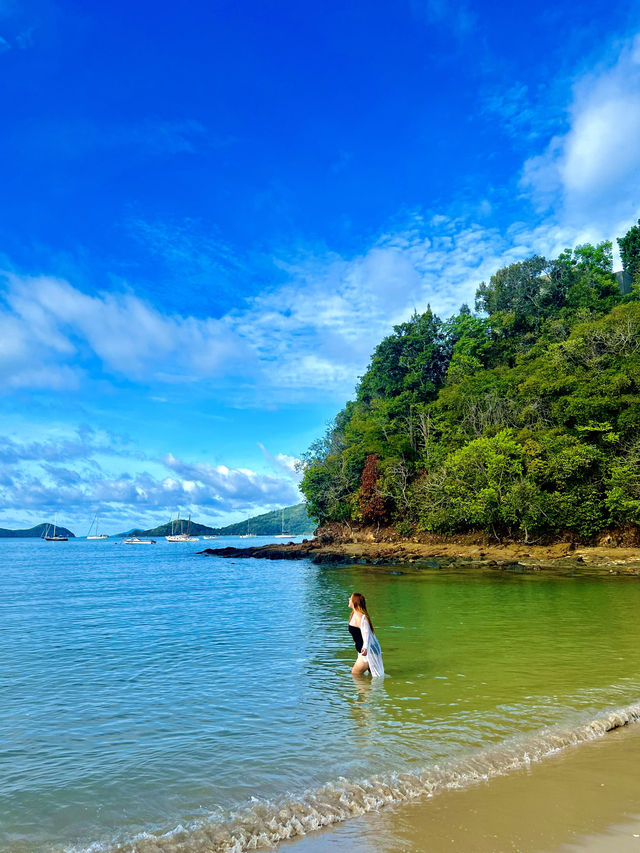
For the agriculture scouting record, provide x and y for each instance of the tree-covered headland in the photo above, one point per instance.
(521, 420)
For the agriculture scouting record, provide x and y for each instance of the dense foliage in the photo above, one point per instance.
(630, 253)
(522, 420)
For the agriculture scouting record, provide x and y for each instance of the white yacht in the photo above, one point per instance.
(246, 535)
(182, 537)
(96, 535)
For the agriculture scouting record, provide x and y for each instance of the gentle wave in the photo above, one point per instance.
(264, 824)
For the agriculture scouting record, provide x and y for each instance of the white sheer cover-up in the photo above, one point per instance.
(371, 644)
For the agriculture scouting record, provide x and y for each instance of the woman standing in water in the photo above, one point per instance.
(367, 645)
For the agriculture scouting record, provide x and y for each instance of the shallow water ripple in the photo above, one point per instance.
(147, 689)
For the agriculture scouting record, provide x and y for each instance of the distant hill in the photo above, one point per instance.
(34, 532)
(169, 528)
(296, 523)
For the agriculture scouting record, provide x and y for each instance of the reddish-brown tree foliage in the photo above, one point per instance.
(373, 506)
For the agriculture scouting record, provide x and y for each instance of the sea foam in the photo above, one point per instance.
(263, 824)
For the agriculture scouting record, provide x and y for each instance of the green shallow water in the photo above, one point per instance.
(148, 691)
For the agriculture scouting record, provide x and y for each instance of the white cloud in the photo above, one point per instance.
(51, 329)
(235, 488)
(309, 338)
(320, 330)
(288, 465)
(313, 334)
(189, 251)
(63, 474)
(61, 446)
(591, 173)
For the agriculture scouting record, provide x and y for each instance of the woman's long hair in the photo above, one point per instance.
(360, 605)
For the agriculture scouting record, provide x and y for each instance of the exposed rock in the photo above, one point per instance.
(335, 546)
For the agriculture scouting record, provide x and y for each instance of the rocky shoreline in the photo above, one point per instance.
(563, 557)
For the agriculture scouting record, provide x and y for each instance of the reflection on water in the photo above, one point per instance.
(369, 697)
(159, 688)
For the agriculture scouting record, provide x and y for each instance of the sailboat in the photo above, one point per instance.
(182, 537)
(53, 538)
(173, 536)
(283, 533)
(96, 535)
(246, 535)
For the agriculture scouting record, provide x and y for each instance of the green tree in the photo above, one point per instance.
(414, 358)
(471, 490)
(630, 252)
(623, 487)
(585, 278)
(522, 422)
(470, 341)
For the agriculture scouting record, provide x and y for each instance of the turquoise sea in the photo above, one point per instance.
(155, 699)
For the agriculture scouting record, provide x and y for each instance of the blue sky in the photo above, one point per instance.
(212, 212)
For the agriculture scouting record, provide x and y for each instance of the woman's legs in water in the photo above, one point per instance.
(360, 666)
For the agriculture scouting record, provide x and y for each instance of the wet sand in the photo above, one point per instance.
(585, 799)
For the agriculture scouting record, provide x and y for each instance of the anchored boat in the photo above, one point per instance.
(182, 537)
(96, 535)
(49, 537)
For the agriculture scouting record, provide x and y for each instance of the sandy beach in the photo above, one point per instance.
(585, 799)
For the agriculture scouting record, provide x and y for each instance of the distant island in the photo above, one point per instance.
(34, 532)
(292, 520)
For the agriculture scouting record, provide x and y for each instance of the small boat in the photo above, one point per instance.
(246, 535)
(96, 535)
(283, 533)
(182, 537)
(53, 538)
(133, 540)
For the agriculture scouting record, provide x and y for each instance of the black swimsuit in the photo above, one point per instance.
(356, 633)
